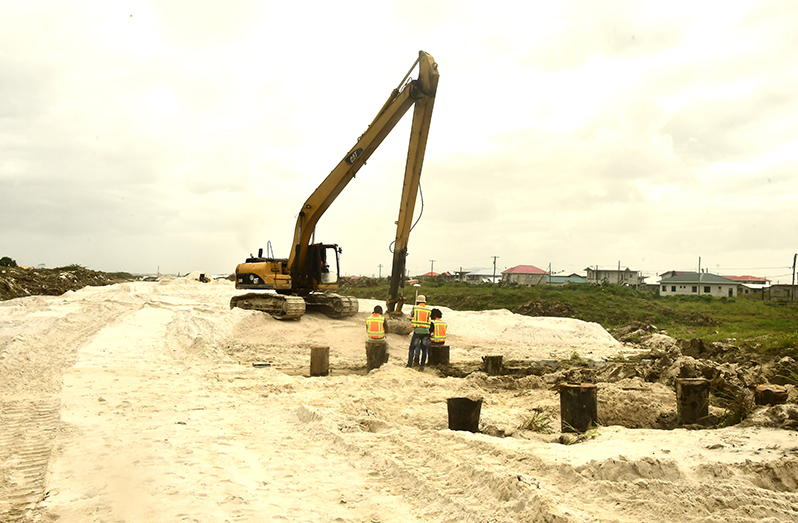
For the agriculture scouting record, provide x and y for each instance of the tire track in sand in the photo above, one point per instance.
(31, 371)
(27, 431)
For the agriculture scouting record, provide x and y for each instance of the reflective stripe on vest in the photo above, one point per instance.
(439, 332)
(421, 316)
(375, 326)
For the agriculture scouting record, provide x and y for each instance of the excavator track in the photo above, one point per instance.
(277, 305)
(332, 305)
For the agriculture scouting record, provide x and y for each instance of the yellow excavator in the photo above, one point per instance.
(309, 276)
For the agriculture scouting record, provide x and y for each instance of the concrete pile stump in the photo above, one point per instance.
(439, 355)
(578, 407)
(492, 365)
(376, 353)
(692, 401)
(320, 361)
(464, 413)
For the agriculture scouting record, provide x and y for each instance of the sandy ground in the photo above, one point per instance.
(139, 402)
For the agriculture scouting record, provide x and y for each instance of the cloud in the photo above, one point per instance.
(192, 133)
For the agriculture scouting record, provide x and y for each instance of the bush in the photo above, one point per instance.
(5, 261)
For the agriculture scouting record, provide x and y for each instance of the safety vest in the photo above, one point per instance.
(375, 326)
(438, 331)
(420, 320)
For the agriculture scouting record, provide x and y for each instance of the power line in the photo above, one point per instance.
(750, 268)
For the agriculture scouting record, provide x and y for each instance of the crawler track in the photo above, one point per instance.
(277, 305)
(284, 307)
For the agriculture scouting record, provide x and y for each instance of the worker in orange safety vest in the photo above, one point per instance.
(375, 324)
(420, 319)
(437, 328)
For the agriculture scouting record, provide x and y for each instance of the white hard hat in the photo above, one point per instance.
(421, 299)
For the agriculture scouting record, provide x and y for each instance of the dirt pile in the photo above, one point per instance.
(17, 282)
(551, 309)
(358, 283)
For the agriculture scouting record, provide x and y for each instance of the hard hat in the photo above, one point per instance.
(421, 299)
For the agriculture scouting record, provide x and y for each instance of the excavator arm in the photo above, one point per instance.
(420, 92)
(422, 114)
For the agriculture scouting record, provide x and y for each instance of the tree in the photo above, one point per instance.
(5, 261)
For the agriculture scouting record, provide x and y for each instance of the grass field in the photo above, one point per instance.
(767, 327)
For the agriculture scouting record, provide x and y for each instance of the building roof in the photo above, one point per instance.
(431, 274)
(488, 271)
(572, 278)
(524, 269)
(605, 268)
(748, 279)
(695, 277)
(668, 274)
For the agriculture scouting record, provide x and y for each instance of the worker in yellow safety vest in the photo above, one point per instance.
(375, 324)
(437, 328)
(420, 320)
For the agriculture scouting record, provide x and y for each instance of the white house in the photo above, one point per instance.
(484, 276)
(697, 284)
(619, 275)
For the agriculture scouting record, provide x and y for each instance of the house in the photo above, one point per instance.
(698, 283)
(752, 280)
(447, 277)
(780, 292)
(620, 275)
(752, 289)
(483, 276)
(750, 284)
(561, 279)
(524, 275)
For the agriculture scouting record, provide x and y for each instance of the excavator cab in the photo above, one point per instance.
(323, 265)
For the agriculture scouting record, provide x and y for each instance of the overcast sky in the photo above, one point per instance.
(183, 135)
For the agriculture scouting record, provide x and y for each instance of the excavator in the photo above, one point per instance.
(310, 274)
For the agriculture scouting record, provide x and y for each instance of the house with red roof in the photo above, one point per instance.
(524, 275)
(756, 280)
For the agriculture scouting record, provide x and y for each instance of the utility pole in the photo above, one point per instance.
(380, 273)
(494, 268)
(792, 294)
(431, 267)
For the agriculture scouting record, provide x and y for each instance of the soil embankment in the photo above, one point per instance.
(16, 282)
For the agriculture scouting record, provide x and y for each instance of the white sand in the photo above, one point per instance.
(139, 403)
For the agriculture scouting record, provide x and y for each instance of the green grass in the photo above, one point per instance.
(753, 324)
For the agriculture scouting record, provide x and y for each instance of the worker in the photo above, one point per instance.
(375, 324)
(437, 328)
(420, 320)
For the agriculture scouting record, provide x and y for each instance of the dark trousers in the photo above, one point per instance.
(419, 342)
